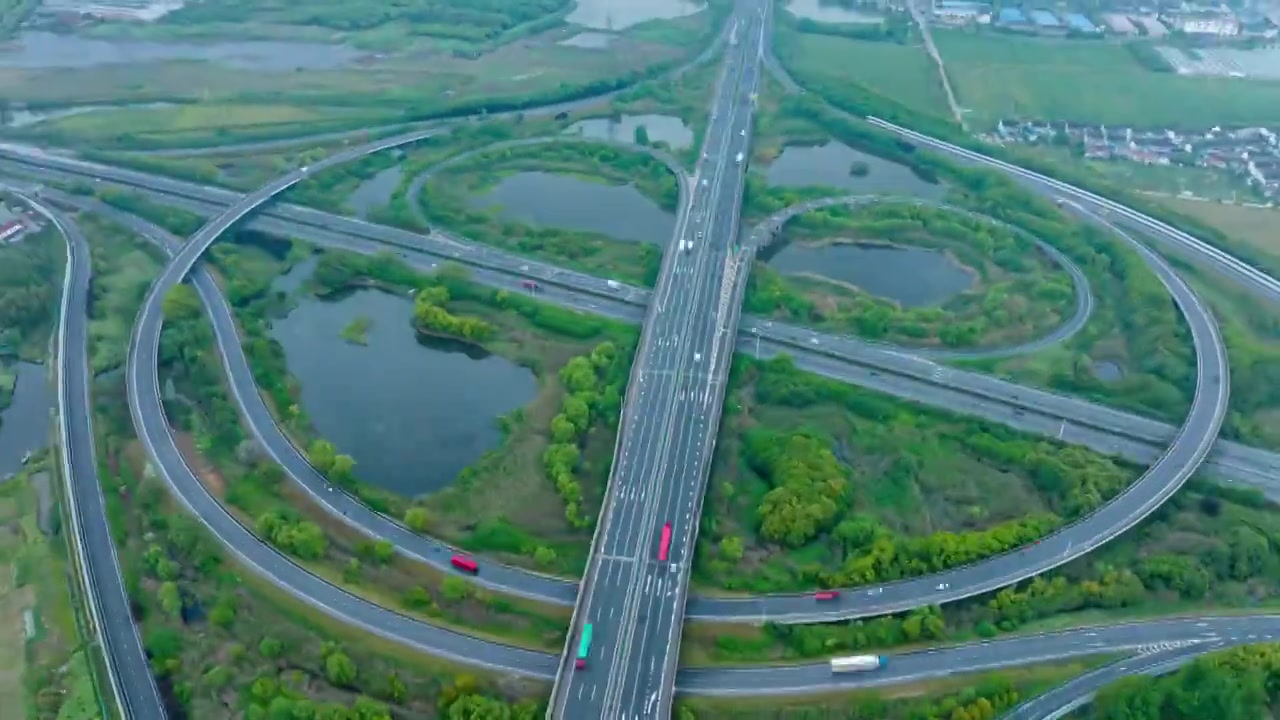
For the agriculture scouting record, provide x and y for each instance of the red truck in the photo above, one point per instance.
(529, 285)
(826, 595)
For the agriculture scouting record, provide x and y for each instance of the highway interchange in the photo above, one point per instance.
(150, 421)
(669, 425)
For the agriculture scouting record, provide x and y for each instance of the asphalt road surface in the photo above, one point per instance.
(129, 670)
(633, 600)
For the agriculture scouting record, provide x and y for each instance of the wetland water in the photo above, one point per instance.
(412, 413)
(36, 50)
(622, 14)
(563, 201)
(25, 424)
(824, 11)
(660, 128)
(375, 192)
(911, 276)
(829, 165)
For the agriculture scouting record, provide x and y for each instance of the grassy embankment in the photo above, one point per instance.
(48, 666)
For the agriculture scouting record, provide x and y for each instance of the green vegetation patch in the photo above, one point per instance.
(818, 483)
(1203, 552)
(1019, 293)
(446, 201)
(43, 672)
(123, 271)
(903, 72)
(1000, 76)
(467, 20)
(30, 285)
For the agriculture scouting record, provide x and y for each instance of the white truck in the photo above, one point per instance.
(858, 663)
(613, 284)
(739, 159)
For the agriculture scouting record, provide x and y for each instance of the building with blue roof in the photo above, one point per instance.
(1044, 19)
(1080, 23)
(1011, 16)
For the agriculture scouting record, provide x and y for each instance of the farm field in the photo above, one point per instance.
(902, 72)
(999, 76)
(1256, 226)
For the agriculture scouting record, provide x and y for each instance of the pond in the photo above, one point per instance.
(1108, 371)
(911, 276)
(825, 11)
(563, 201)
(660, 128)
(375, 192)
(621, 14)
(43, 50)
(831, 165)
(411, 413)
(25, 424)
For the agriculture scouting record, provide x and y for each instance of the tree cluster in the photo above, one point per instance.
(593, 391)
(431, 317)
(177, 221)
(301, 538)
(810, 487)
(30, 283)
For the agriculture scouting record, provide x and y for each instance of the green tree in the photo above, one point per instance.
(416, 518)
(340, 669)
(181, 303)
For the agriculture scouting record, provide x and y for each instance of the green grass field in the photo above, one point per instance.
(902, 72)
(1260, 227)
(999, 76)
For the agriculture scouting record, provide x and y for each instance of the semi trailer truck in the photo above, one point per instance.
(858, 663)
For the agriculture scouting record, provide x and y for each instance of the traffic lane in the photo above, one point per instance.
(680, 480)
(660, 641)
(988, 655)
(122, 644)
(641, 610)
(631, 495)
(658, 350)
